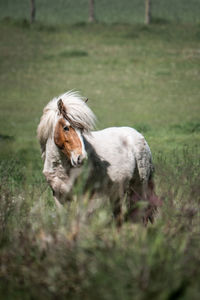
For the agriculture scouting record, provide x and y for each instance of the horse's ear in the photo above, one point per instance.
(61, 108)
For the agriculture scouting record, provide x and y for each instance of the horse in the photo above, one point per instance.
(120, 159)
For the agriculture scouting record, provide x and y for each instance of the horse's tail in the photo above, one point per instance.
(146, 170)
(143, 160)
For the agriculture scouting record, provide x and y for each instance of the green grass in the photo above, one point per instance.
(68, 255)
(133, 75)
(152, 73)
(112, 11)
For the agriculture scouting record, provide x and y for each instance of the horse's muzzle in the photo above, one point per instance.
(78, 160)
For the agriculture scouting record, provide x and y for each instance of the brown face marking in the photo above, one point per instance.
(67, 141)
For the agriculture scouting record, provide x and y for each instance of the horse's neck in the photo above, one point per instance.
(89, 145)
(54, 160)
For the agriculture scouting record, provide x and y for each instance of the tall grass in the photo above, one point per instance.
(65, 254)
(138, 76)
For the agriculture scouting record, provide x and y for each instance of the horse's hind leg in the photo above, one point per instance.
(153, 202)
(141, 190)
(134, 196)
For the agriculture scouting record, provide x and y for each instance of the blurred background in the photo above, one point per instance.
(109, 12)
(138, 63)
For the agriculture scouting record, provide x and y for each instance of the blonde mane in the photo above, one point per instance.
(77, 111)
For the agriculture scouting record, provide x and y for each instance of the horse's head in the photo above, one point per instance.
(68, 138)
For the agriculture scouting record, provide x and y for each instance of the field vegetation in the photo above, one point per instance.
(133, 75)
(113, 11)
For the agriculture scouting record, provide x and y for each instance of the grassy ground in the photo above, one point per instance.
(112, 11)
(147, 78)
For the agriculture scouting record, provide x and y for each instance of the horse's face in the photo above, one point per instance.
(70, 142)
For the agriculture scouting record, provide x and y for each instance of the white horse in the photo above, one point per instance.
(119, 157)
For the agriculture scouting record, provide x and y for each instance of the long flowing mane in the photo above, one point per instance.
(77, 110)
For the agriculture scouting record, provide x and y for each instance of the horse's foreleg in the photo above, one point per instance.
(60, 187)
(57, 202)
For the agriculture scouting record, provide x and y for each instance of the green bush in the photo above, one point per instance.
(65, 254)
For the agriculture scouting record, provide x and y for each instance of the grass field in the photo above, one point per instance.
(144, 77)
(112, 11)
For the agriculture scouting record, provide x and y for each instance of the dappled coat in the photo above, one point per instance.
(119, 158)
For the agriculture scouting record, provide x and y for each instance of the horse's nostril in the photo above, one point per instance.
(79, 159)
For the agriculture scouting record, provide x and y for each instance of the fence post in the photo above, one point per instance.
(33, 10)
(147, 12)
(91, 11)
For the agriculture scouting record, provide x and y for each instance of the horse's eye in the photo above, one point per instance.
(66, 128)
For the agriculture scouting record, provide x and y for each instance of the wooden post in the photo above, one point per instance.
(33, 11)
(147, 12)
(91, 11)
